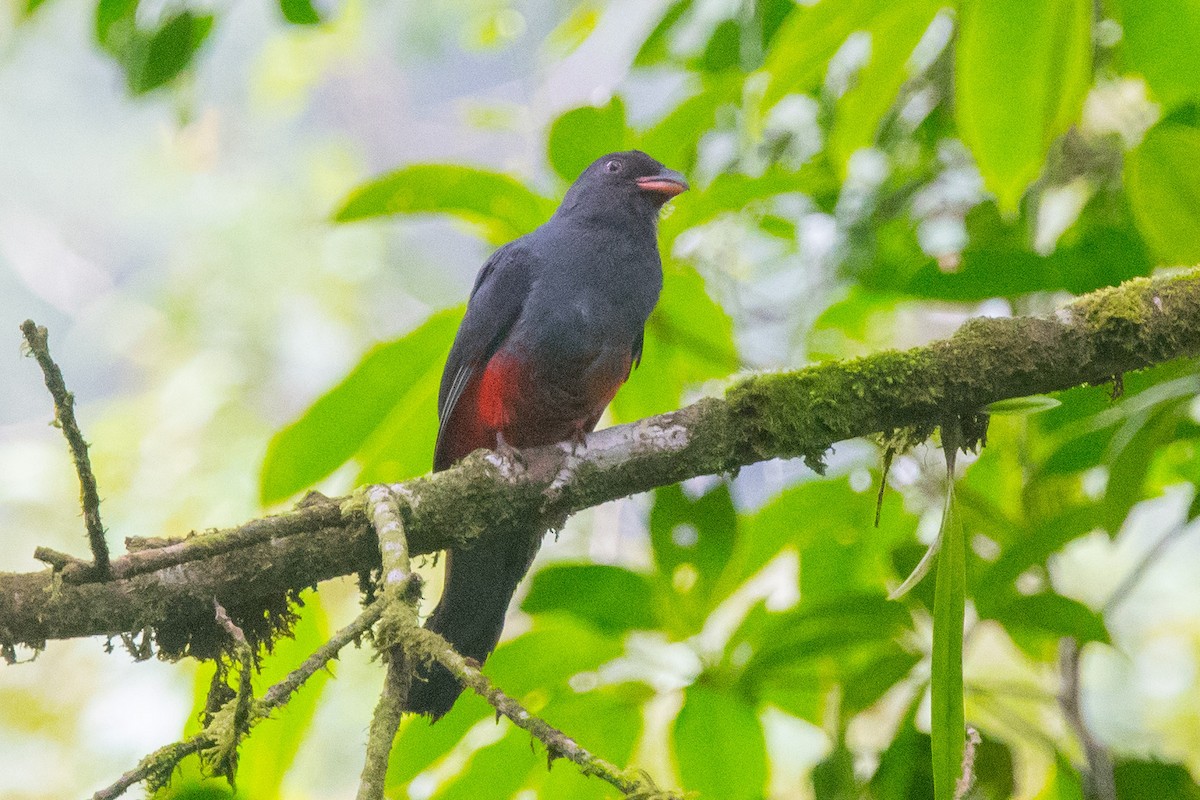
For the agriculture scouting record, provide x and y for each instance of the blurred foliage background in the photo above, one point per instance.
(219, 208)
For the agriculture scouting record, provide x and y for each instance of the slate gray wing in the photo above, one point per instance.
(499, 294)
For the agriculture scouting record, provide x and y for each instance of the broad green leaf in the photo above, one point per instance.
(692, 542)
(719, 745)
(612, 599)
(867, 684)
(1162, 177)
(155, 59)
(1054, 614)
(895, 33)
(673, 139)
(995, 586)
(1159, 42)
(1064, 782)
(904, 767)
(299, 12)
(116, 24)
(580, 136)
(840, 554)
(833, 778)
(737, 193)
(339, 423)
(993, 776)
(1151, 780)
(1101, 249)
(545, 659)
(808, 39)
(608, 722)
(494, 770)
(501, 206)
(656, 48)
(689, 340)
(947, 723)
(419, 746)
(1022, 71)
(1022, 406)
(812, 631)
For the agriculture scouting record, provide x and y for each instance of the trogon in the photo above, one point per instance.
(553, 327)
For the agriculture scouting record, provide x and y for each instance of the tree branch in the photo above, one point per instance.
(802, 413)
(401, 593)
(38, 342)
(158, 767)
(634, 784)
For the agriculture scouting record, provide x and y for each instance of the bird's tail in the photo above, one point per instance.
(480, 582)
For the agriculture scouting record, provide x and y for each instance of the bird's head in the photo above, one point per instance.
(623, 181)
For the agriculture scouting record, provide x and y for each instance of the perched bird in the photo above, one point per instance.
(553, 327)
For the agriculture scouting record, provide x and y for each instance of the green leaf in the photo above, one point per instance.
(692, 542)
(656, 48)
(894, 35)
(1064, 783)
(1103, 248)
(612, 599)
(343, 420)
(808, 39)
(833, 778)
(904, 767)
(494, 770)
(1021, 75)
(868, 684)
(1159, 41)
(673, 139)
(299, 12)
(1162, 177)
(580, 136)
(156, 59)
(737, 193)
(116, 24)
(1152, 780)
(813, 631)
(947, 721)
(502, 207)
(689, 339)
(1022, 406)
(522, 665)
(719, 745)
(1054, 614)
(419, 746)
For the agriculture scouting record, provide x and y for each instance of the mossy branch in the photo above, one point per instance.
(400, 594)
(634, 784)
(170, 587)
(38, 342)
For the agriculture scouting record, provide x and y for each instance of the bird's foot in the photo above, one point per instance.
(578, 442)
(509, 453)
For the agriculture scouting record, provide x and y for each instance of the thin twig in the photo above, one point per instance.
(1099, 783)
(162, 762)
(227, 758)
(64, 416)
(634, 784)
(400, 592)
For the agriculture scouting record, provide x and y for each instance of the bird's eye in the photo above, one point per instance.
(613, 166)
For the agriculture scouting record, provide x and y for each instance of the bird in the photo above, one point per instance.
(554, 325)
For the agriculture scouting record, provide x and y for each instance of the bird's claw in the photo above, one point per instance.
(509, 453)
(578, 442)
